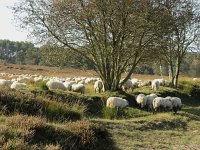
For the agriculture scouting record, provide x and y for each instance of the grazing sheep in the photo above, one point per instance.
(68, 85)
(160, 102)
(155, 84)
(78, 88)
(98, 86)
(157, 103)
(113, 102)
(5, 83)
(149, 101)
(176, 104)
(53, 85)
(141, 101)
(18, 86)
(127, 85)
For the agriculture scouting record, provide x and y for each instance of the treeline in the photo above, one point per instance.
(51, 55)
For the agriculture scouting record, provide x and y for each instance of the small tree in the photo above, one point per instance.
(180, 33)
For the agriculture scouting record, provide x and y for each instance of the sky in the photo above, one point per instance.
(8, 30)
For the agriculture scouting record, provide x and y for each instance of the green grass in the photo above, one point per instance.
(159, 131)
(129, 128)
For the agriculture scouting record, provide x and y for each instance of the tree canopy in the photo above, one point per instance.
(113, 35)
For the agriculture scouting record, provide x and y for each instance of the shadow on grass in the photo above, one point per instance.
(68, 140)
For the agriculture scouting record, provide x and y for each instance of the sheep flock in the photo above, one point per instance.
(149, 102)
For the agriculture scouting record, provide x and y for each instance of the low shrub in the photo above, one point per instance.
(36, 133)
(190, 88)
(27, 103)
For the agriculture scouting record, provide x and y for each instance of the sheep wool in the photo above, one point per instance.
(141, 100)
(98, 86)
(53, 85)
(78, 88)
(114, 102)
(18, 86)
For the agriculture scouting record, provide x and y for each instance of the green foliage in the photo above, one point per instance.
(191, 88)
(41, 85)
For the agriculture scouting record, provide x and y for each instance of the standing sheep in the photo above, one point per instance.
(78, 88)
(155, 84)
(160, 102)
(113, 102)
(149, 101)
(128, 85)
(176, 104)
(98, 86)
(141, 101)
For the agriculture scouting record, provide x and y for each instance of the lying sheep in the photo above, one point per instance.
(78, 88)
(53, 85)
(114, 102)
(149, 101)
(155, 84)
(141, 101)
(98, 86)
(18, 86)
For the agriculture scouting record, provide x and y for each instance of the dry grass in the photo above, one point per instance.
(63, 72)
(44, 70)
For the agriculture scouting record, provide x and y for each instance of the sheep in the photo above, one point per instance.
(18, 86)
(114, 102)
(141, 101)
(149, 101)
(127, 85)
(5, 83)
(98, 86)
(157, 103)
(53, 84)
(176, 104)
(155, 84)
(160, 102)
(68, 85)
(78, 88)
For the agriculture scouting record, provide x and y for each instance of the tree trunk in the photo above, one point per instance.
(161, 71)
(171, 74)
(178, 64)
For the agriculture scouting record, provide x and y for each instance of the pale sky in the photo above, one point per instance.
(7, 28)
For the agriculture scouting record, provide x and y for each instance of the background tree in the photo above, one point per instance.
(182, 20)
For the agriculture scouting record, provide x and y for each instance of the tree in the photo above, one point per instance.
(113, 35)
(181, 32)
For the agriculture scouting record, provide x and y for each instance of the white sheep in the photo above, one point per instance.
(98, 86)
(5, 83)
(127, 85)
(18, 86)
(176, 103)
(53, 84)
(160, 102)
(78, 88)
(155, 84)
(141, 101)
(149, 101)
(114, 102)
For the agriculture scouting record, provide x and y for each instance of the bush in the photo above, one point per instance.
(36, 133)
(190, 88)
(27, 103)
(113, 113)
